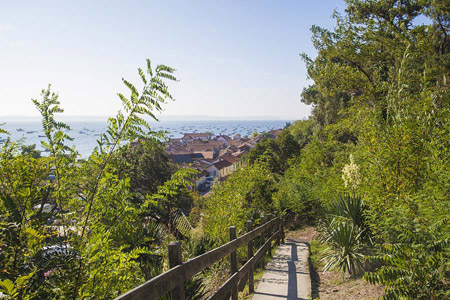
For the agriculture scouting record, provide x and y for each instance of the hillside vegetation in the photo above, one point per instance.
(370, 167)
(376, 158)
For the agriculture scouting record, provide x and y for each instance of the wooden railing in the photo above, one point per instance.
(173, 280)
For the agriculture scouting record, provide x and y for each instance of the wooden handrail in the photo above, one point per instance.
(224, 290)
(158, 286)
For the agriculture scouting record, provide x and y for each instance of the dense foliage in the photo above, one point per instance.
(379, 130)
(94, 228)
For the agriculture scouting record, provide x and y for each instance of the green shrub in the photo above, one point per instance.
(416, 267)
(345, 248)
(343, 229)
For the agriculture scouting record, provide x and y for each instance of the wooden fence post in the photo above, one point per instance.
(269, 234)
(279, 231)
(262, 241)
(276, 228)
(282, 230)
(251, 284)
(233, 264)
(175, 259)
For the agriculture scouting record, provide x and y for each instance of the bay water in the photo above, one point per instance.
(86, 132)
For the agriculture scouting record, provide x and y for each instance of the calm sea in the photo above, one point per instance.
(86, 133)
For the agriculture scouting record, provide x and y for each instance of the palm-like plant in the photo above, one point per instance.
(352, 208)
(344, 251)
(200, 246)
(344, 229)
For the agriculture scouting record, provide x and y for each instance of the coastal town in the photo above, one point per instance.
(214, 157)
(225, 150)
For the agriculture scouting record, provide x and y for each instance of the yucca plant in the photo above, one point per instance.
(344, 229)
(352, 208)
(200, 246)
(344, 251)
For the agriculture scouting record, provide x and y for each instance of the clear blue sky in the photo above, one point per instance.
(233, 58)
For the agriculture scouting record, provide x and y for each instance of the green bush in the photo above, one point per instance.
(345, 248)
(344, 229)
(416, 267)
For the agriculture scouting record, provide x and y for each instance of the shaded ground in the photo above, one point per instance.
(330, 285)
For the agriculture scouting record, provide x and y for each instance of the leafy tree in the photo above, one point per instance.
(2, 130)
(86, 252)
(31, 150)
(146, 164)
(245, 190)
(24, 193)
(267, 150)
(415, 266)
(171, 196)
(288, 148)
(302, 131)
(275, 154)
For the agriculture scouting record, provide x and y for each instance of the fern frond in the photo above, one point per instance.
(141, 73)
(130, 86)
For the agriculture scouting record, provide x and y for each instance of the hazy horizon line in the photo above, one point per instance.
(161, 118)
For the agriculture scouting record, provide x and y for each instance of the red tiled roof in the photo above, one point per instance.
(204, 146)
(244, 147)
(275, 133)
(229, 157)
(223, 136)
(197, 135)
(222, 164)
(201, 165)
(209, 154)
(240, 153)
